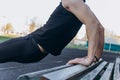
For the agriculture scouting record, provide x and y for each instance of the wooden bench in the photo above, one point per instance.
(97, 71)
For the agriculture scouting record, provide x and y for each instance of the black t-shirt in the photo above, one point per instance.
(60, 29)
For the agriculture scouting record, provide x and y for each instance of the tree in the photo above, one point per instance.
(8, 28)
(32, 27)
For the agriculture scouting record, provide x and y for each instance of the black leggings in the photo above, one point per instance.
(22, 49)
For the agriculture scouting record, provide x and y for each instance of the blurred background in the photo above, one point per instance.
(21, 17)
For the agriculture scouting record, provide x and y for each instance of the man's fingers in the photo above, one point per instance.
(74, 61)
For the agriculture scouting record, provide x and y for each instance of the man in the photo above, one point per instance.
(59, 30)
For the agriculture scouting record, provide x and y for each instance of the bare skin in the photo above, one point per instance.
(94, 30)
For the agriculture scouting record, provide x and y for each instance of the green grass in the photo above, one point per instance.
(4, 38)
(7, 36)
(80, 46)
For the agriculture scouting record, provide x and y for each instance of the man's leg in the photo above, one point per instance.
(22, 49)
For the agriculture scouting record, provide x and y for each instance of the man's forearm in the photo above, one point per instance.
(96, 41)
(101, 41)
(93, 40)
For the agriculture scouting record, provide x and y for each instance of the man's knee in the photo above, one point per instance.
(71, 3)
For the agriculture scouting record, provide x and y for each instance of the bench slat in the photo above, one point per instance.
(116, 70)
(108, 72)
(66, 73)
(36, 75)
(91, 75)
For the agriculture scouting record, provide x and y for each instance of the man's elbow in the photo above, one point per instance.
(102, 28)
(97, 25)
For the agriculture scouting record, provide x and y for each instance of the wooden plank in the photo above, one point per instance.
(36, 75)
(117, 70)
(66, 73)
(108, 72)
(92, 75)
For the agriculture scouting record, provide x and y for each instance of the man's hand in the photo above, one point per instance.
(84, 61)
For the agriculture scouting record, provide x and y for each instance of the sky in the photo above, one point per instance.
(108, 13)
(17, 11)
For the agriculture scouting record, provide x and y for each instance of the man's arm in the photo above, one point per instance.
(94, 29)
(99, 52)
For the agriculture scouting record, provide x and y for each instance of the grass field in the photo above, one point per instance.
(4, 38)
(79, 46)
